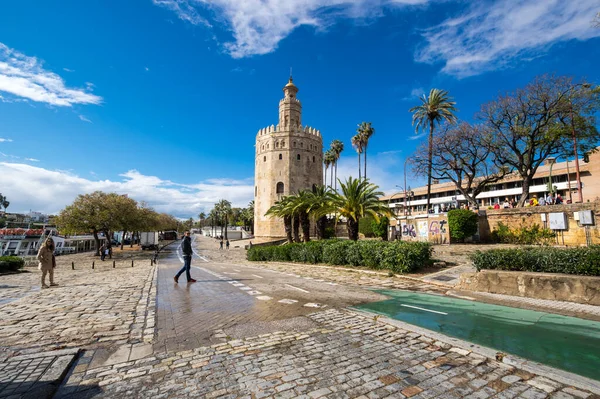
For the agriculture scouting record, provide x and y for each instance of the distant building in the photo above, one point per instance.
(564, 180)
(289, 158)
(37, 217)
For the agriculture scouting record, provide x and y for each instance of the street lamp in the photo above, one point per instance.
(551, 161)
(579, 191)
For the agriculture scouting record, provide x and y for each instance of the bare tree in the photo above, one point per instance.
(464, 154)
(534, 122)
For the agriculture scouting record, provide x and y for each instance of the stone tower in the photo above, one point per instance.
(289, 158)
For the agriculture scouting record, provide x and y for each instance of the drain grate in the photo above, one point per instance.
(443, 278)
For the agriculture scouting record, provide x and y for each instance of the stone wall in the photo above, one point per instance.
(559, 287)
(433, 228)
(574, 235)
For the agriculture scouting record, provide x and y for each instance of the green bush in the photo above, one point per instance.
(397, 256)
(11, 263)
(462, 223)
(523, 235)
(380, 229)
(365, 226)
(583, 261)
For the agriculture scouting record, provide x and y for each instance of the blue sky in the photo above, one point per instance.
(162, 99)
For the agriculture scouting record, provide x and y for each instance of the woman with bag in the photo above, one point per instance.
(47, 262)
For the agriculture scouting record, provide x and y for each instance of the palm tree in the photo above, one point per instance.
(282, 210)
(365, 131)
(359, 198)
(300, 203)
(337, 147)
(320, 205)
(357, 143)
(202, 218)
(327, 160)
(4, 203)
(435, 109)
(225, 211)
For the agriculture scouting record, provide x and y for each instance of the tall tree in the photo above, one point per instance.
(467, 155)
(282, 210)
(4, 203)
(202, 218)
(300, 204)
(224, 207)
(337, 147)
(327, 161)
(432, 111)
(319, 206)
(358, 199)
(357, 143)
(534, 122)
(365, 131)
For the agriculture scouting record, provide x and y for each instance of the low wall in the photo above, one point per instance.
(433, 229)
(574, 235)
(559, 287)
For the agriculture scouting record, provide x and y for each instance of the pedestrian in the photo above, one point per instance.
(47, 262)
(227, 244)
(549, 199)
(497, 205)
(186, 248)
(558, 200)
(103, 251)
(542, 200)
(506, 204)
(533, 201)
(513, 203)
(221, 244)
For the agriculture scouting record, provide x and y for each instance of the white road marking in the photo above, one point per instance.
(239, 285)
(229, 273)
(426, 310)
(288, 301)
(236, 270)
(332, 283)
(257, 276)
(314, 305)
(296, 288)
(254, 292)
(264, 298)
(245, 288)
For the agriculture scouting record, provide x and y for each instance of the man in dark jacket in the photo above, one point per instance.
(186, 248)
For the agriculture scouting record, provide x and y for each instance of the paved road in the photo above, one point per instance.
(232, 301)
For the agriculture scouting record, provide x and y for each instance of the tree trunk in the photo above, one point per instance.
(429, 165)
(287, 223)
(352, 229)
(365, 163)
(525, 196)
(296, 228)
(331, 178)
(336, 176)
(359, 165)
(321, 224)
(305, 223)
(325, 183)
(97, 239)
(123, 239)
(226, 227)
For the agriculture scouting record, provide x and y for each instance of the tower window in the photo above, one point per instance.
(280, 156)
(294, 144)
(301, 145)
(279, 188)
(311, 146)
(314, 158)
(265, 158)
(263, 147)
(277, 145)
(282, 143)
(298, 157)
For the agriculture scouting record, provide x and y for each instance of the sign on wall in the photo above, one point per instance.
(558, 221)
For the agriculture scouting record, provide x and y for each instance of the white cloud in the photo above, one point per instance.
(32, 159)
(83, 118)
(491, 34)
(258, 26)
(24, 77)
(5, 140)
(417, 136)
(68, 70)
(146, 69)
(31, 187)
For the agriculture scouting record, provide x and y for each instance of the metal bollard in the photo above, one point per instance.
(114, 264)
(93, 264)
(151, 261)
(132, 263)
(73, 265)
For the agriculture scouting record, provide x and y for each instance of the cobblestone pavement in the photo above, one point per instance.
(89, 308)
(36, 375)
(346, 356)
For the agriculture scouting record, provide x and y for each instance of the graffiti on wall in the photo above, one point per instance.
(437, 231)
(422, 227)
(408, 230)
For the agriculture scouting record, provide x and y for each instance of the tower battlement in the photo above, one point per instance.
(298, 129)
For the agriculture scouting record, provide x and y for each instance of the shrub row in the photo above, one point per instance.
(582, 261)
(523, 235)
(11, 263)
(397, 256)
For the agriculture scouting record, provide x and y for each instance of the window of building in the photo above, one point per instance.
(277, 144)
(279, 188)
(265, 158)
(314, 158)
(298, 157)
(294, 144)
(301, 145)
(282, 143)
(263, 147)
(280, 156)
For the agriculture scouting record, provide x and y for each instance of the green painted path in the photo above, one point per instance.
(563, 342)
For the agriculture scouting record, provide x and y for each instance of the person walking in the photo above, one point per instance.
(47, 262)
(227, 244)
(221, 244)
(186, 248)
(558, 200)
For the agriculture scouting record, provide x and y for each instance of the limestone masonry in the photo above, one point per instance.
(289, 158)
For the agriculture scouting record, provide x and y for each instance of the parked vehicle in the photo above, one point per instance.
(169, 235)
(149, 240)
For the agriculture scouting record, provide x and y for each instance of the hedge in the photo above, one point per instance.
(397, 256)
(583, 261)
(11, 263)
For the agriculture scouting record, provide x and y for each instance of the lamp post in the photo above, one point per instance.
(579, 191)
(551, 161)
